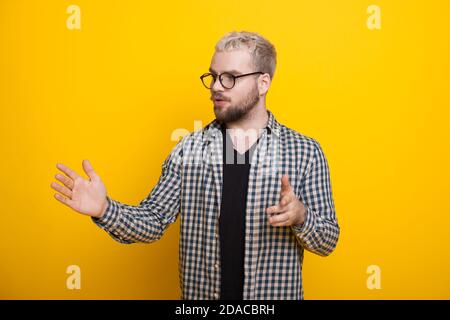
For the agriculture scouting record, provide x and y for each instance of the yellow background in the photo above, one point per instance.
(114, 91)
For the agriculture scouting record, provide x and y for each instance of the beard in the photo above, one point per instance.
(239, 110)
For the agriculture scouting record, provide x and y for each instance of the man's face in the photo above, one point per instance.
(232, 104)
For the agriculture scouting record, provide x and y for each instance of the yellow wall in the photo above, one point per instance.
(115, 90)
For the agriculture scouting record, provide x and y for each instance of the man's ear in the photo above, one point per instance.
(264, 83)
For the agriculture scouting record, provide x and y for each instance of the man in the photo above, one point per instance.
(244, 224)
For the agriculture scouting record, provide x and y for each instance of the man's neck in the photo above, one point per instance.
(241, 131)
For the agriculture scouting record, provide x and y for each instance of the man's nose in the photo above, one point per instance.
(217, 86)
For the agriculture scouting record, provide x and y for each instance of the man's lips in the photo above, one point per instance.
(219, 101)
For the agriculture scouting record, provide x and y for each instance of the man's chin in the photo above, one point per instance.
(220, 118)
(220, 113)
(225, 117)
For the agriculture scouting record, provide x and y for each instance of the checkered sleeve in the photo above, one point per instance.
(319, 232)
(148, 221)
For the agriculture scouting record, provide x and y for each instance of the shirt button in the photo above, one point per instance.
(216, 266)
(216, 295)
(217, 235)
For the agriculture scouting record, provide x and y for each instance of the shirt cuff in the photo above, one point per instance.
(109, 218)
(307, 225)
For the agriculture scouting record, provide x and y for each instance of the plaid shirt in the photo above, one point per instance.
(191, 183)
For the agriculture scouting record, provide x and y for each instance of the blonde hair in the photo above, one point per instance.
(262, 51)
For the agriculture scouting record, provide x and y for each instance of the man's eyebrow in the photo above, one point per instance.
(230, 71)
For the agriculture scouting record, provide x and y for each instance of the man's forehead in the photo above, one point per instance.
(237, 61)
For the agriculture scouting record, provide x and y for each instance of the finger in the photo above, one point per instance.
(282, 224)
(65, 180)
(280, 219)
(283, 193)
(64, 200)
(64, 190)
(277, 209)
(72, 174)
(87, 167)
(274, 210)
(285, 185)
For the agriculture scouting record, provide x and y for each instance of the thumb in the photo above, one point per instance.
(87, 167)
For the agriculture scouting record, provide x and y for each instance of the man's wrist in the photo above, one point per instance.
(104, 208)
(304, 226)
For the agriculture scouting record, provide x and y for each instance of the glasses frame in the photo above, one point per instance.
(220, 78)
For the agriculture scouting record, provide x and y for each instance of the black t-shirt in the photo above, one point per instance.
(232, 218)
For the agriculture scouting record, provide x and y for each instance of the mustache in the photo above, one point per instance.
(219, 97)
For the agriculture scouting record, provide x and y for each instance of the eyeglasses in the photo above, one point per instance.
(227, 80)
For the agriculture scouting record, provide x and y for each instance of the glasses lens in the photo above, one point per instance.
(208, 81)
(227, 80)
